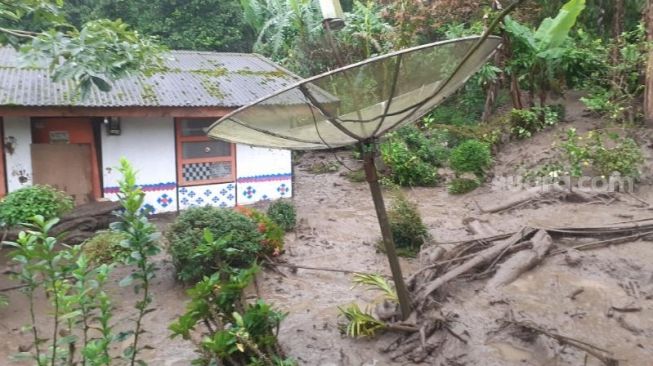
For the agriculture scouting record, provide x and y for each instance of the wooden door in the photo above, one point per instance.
(69, 131)
(66, 167)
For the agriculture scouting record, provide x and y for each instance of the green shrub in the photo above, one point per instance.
(463, 185)
(234, 242)
(408, 230)
(525, 122)
(232, 332)
(23, 204)
(272, 241)
(413, 157)
(283, 214)
(471, 156)
(104, 247)
(623, 156)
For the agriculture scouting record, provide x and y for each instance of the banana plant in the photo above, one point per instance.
(538, 53)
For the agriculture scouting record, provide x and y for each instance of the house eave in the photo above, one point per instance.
(200, 112)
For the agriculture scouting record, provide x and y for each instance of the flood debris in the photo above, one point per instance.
(502, 259)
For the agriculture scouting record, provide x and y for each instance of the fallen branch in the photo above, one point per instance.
(542, 192)
(523, 261)
(601, 354)
(295, 267)
(480, 258)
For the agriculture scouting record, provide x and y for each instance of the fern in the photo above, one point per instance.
(376, 282)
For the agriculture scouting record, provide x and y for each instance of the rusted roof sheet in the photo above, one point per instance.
(189, 79)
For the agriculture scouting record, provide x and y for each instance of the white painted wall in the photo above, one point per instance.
(18, 137)
(257, 161)
(262, 174)
(149, 144)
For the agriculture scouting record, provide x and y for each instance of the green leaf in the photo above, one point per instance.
(72, 314)
(101, 84)
(554, 31)
(126, 281)
(524, 34)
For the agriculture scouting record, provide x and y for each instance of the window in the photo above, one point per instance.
(201, 160)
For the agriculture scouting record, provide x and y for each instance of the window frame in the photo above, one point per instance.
(180, 139)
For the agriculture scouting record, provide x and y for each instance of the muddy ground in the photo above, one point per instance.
(338, 229)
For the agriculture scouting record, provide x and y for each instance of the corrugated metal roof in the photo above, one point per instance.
(189, 79)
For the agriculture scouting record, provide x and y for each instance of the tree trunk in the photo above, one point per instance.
(515, 91)
(617, 28)
(648, 94)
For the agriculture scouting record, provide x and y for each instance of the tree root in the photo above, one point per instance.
(601, 354)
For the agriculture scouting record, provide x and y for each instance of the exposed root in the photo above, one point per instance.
(522, 261)
(601, 354)
(507, 257)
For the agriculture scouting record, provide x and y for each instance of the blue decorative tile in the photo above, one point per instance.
(231, 187)
(223, 205)
(184, 201)
(207, 193)
(215, 199)
(164, 200)
(283, 189)
(231, 197)
(249, 192)
(148, 209)
(224, 192)
(199, 200)
(183, 191)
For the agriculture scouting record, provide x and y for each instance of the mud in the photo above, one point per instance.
(338, 229)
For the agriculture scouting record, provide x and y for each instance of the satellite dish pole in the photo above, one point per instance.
(334, 20)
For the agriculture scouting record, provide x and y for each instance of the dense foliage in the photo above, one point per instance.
(105, 247)
(272, 241)
(408, 230)
(413, 157)
(21, 205)
(232, 332)
(93, 54)
(204, 240)
(79, 326)
(471, 156)
(212, 25)
(283, 214)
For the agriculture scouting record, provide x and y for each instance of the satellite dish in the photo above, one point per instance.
(359, 104)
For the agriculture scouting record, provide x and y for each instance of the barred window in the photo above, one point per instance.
(201, 160)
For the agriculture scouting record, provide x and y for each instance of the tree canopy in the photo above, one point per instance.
(207, 25)
(92, 54)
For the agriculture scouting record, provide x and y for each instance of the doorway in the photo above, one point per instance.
(64, 155)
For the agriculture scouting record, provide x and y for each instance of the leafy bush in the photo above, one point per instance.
(618, 154)
(616, 91)
(272, 242)
(283, 214)
(23, 204)
(408, 230)
(230, 240)
(525, 122)
(472, 156)
(104, 247)
(623, 157)
(413, 157)
(232, 333)
(463, 185)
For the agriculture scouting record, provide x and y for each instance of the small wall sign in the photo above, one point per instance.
(59, 137)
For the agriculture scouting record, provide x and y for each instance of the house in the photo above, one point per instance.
(53, 137)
